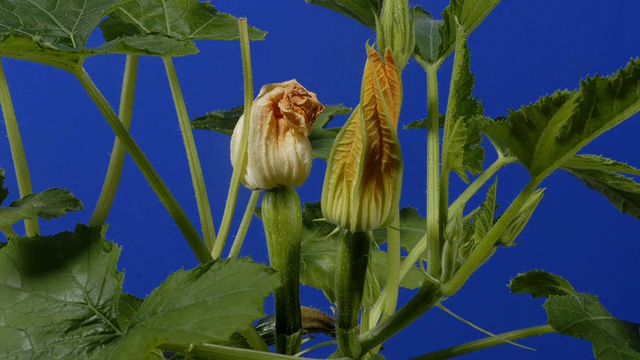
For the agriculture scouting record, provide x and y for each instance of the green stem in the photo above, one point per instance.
(479, 254)
(487, 342)
(408, 263)
(17, 149)
(478, 182)
(221, 352)
(118, 152)
(393, 269)
(195, 169)
(428, 295)
(241, 159)
(159, 187)
(316, 346)
(244, 225)
(254, 339)
(433, 178)
(8, 232)
(352, 263)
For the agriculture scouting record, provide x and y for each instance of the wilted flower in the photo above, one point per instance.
(279, 151)
(362, 184)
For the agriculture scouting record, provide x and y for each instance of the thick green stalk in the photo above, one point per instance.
(352, 262)
(487, 342)
(159, 187)
(393, 268)
(241, 159)
(199, 186)
(118, 152)
(482, 250)
(428, 295)
(433, 174)
(17, 149)
(244, 224)
(282, 218)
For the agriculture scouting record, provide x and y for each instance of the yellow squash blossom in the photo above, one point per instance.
(361, 189)
(278, 151)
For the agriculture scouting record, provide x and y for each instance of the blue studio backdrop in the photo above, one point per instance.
(522, 51)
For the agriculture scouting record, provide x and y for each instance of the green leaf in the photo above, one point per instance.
(222, 121)
(178, 19)
(435, 39)
(48, 204)
(482, 220)
(208, 303)
(461, 150)
(603, 175)
(59, 295)
(412, 229)
(422, 123)
(128, 305)
(321, 138)
(318, 255)
(581, 315)
(518, 223)
(540, 283)
(427, 30)
(546, 134)
(363, 11)
(62, 299)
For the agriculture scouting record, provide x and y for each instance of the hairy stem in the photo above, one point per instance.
(254, 339)
(244, 225)
(393, 269)
(118, 152)
(487, 342)
(241, 159)
(221, 352)
(433, 172)
(195, 169)
(159, 187)
(17, 149)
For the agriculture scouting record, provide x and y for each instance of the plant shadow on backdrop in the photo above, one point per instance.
(62, 295)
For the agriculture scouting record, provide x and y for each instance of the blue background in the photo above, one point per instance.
(525, 49)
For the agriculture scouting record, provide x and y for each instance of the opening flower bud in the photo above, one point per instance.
(362, 184)
(278, 149)
(395, 30)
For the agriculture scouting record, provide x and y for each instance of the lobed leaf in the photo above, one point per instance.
(605, 176)
(59, 295)
(363, 11)
(48, 204)
(461, 149)
(581, 315)
(546, 134)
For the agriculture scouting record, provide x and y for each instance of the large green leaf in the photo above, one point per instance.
(321, 138)
(581, 315)
(546, 134)
(434, 47)
(363, 11)
(177, 19)
(61, 299)
(59, 295)
(318, 256)
(605, 176)
(48, 204)
(208, 303)
(461, 149)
